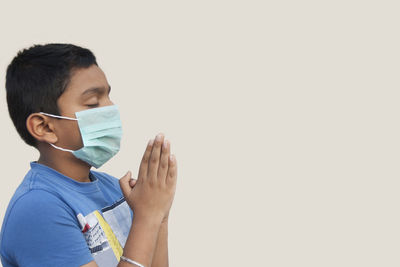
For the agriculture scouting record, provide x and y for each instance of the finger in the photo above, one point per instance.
(155, 157)
(132, 183)
(163, 168)
(124, 184)
(172, 169)
(145, 160)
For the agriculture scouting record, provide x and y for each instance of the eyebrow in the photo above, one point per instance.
(96, 90)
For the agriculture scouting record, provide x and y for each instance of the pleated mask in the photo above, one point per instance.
(101, 132)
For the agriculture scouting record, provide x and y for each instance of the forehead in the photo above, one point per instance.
(83, 78)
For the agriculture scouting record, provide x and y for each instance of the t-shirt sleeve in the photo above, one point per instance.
(42, 231)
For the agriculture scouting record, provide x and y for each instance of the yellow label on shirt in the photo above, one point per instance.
(112, 239)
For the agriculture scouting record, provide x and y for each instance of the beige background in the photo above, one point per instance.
(283, 115)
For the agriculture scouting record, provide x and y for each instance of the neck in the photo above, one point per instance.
(67, 164)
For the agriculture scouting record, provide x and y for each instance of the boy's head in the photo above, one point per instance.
(37, 77)
(58, 79)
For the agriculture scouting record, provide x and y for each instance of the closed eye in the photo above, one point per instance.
(93, 105)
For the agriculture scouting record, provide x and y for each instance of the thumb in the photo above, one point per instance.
(132, 182)
(124, 184)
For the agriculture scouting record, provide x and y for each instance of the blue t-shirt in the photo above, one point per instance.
(53, 220)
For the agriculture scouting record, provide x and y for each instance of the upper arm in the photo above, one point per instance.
(42, 231)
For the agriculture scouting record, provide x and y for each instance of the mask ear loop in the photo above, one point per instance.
(60, 148)
(60, 117)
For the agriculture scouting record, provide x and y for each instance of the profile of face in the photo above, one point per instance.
(87, 89)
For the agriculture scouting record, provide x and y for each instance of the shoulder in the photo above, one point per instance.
(37, 204)
(39, 227)
(37, 199)
(40, 198)
(34, 211)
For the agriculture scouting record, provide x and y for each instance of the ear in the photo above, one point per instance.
(41, 128)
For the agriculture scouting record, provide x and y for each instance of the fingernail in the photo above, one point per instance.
(151, 141)
(172, 157)
(165, 144)
(159, 136)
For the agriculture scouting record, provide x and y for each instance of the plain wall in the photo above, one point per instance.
(283, 116)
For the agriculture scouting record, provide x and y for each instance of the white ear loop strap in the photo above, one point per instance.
(131, 261)
(60, 117)
(60, 148)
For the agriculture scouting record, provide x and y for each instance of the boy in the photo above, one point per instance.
(63, 213)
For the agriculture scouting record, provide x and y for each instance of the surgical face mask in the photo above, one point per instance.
(101, 132)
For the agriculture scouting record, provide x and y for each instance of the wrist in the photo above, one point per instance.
(150, 220)
(142, 239)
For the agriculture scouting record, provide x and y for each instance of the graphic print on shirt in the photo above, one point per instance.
(106, 232)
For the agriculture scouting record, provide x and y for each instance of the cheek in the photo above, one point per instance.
(70, 136)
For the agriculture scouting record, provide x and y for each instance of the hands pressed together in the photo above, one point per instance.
(151, 195)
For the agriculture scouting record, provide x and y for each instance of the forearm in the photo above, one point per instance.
(160, 258)
(141, 242)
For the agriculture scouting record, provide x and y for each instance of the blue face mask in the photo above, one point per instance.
(101, 132)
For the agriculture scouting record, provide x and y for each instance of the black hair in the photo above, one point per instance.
(37, 77)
